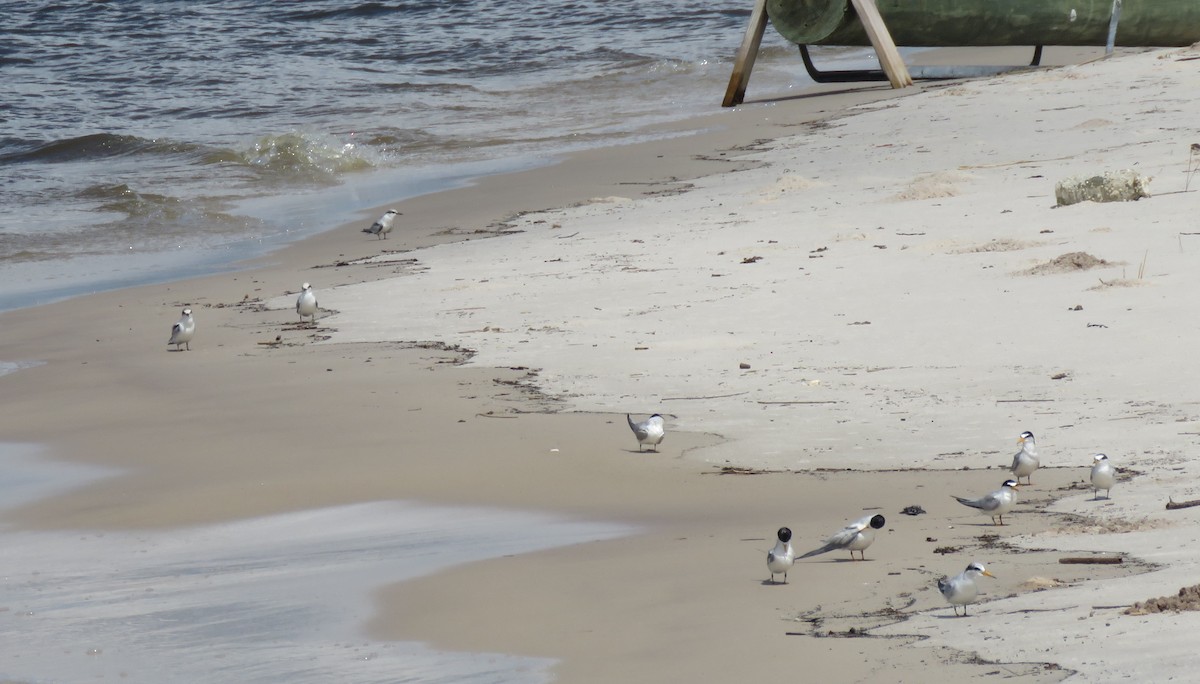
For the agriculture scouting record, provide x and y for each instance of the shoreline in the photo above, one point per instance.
(237, 255)
(255, 427)
(303, 212)
(199, 601)
(694, 588)
(134, 319)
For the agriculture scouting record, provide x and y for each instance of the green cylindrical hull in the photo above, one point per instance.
(947, 23)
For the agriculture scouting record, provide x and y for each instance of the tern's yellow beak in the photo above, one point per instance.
(989, 574)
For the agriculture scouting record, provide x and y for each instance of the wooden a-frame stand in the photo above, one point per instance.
(868, 14)
(893, 68)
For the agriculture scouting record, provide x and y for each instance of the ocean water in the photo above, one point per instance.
(148, 140)
(276, 599)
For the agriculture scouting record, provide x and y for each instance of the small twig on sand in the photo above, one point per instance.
(1095, 560)
(786, 403)
(736, 470)
(1191, 153)
(1017, 401)
(1172, 505)
(714, 396)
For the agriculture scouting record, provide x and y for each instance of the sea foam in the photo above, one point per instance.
(274, 599)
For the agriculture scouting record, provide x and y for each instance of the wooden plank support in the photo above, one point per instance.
(881, 40)
(747, 53)
(1112, 28)
(1092, 560)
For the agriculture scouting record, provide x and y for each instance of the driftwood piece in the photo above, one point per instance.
(1172, 505)
(1094, 560)
(791, 403)
(712, 396)
(736, 470)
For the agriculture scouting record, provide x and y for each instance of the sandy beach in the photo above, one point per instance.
(846, 302)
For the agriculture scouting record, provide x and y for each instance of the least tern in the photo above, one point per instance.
(1026, 460)
(856, 536)
(384, 225)
(182, 331)
(997, 503)
(306, 304)
(649, 431)
(781, 558)
(1103, 475)
(960, 589)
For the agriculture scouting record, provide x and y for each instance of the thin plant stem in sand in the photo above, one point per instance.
(1191, 153)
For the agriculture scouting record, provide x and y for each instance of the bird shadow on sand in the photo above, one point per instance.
(983, 524)
(951, 615)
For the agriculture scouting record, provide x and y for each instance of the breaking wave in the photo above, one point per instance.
(300, 157)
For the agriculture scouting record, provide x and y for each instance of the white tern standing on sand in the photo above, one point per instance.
(856, 536)
(182, 331)
(649, 431)
(1103, 475)
(384, 225)
(960, 589)
(781, 558)
(306, 304)
(997, 503)
(1026, 460)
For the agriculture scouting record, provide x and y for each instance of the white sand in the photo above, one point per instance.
(888, 321)
(870, 296)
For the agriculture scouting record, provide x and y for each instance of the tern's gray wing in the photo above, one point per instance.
(639, 429)
(842, 538)
(988, 503)
(824, 549)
